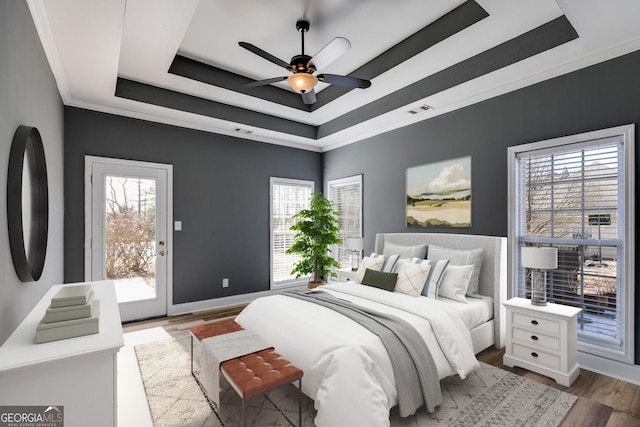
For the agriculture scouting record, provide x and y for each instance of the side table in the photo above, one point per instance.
(542, 339)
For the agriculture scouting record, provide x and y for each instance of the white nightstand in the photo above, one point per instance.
(346, 275)
(542, 339)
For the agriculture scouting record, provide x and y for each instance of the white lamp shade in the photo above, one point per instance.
(544, 258)
(355, 243)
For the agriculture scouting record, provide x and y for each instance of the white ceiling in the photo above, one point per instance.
(90, 43)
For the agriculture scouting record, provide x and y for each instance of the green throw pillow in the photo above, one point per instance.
(379, 279)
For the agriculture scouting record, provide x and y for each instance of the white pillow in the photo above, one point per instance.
(371, 264)
(433, 279)
(461, 257)
(389, 261)
(412, 278)
(455, 282)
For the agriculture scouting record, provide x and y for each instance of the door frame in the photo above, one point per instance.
(88, 196)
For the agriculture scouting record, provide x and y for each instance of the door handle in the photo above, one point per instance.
(161, 253)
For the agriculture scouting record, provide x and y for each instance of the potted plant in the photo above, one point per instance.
(316, 229)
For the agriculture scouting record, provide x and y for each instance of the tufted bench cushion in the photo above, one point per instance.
(259, 372)
(214, 329)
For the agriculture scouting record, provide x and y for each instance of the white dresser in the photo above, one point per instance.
(542, 339)
(77, 373)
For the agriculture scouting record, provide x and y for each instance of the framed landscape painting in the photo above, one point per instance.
(439, 194)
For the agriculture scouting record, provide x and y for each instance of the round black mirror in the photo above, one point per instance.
(27, 203)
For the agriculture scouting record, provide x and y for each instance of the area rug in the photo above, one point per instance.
(487, 397)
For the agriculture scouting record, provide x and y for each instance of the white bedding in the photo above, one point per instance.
(475, 312)
(346, 368)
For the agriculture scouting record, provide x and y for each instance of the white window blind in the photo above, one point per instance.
(288, 197)
(346, 196)
(572, 197)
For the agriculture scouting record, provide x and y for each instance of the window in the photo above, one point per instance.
(288, 196)
(346, 196)
(576, 194)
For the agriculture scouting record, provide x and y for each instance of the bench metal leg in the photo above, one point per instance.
(300, 402)
(191, 354)
(244, 408)
(244, 417)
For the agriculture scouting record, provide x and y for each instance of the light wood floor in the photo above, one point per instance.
(602, 401)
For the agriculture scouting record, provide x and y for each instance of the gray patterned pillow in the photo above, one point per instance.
(434, 277)
(461, 257)
(389, 263)
(418, 251)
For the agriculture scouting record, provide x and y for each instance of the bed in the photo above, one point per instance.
(348, 371)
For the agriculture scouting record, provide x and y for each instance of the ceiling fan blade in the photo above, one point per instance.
(265, 55)
(344, 81)
(332, 51)
(264, 82)
(309, 97)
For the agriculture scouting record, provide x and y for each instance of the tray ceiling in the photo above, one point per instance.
(179, 62)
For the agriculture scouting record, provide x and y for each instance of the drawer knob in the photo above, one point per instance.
(533, 337)
(534, 354)
(534, 322)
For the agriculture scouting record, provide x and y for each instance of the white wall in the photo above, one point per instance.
(28, 96)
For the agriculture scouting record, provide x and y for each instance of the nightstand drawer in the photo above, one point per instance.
(536, 323)
(537, 356)
(346, 275)
(535, 338)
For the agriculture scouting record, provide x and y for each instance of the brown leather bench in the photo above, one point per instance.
(254, 373)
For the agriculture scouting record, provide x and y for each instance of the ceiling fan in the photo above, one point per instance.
(303, 66)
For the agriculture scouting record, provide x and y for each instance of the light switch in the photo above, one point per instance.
(177, 226)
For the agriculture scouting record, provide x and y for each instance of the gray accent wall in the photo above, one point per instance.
(28, 96)
(601, 96)
(220, 193)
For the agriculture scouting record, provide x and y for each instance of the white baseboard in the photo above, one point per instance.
(610, 368)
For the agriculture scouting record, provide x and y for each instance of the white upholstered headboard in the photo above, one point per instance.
(493, 275)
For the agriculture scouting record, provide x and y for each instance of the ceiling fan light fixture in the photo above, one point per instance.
(302, 82)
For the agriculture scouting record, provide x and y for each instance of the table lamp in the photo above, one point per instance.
(539, 260)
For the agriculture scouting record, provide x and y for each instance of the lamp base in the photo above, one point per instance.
(355, 261)
(539, 287)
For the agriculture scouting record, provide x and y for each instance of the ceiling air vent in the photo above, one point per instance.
(421, 109)
(243, 131)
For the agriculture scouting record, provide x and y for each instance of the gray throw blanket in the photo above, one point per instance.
(413, 366)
